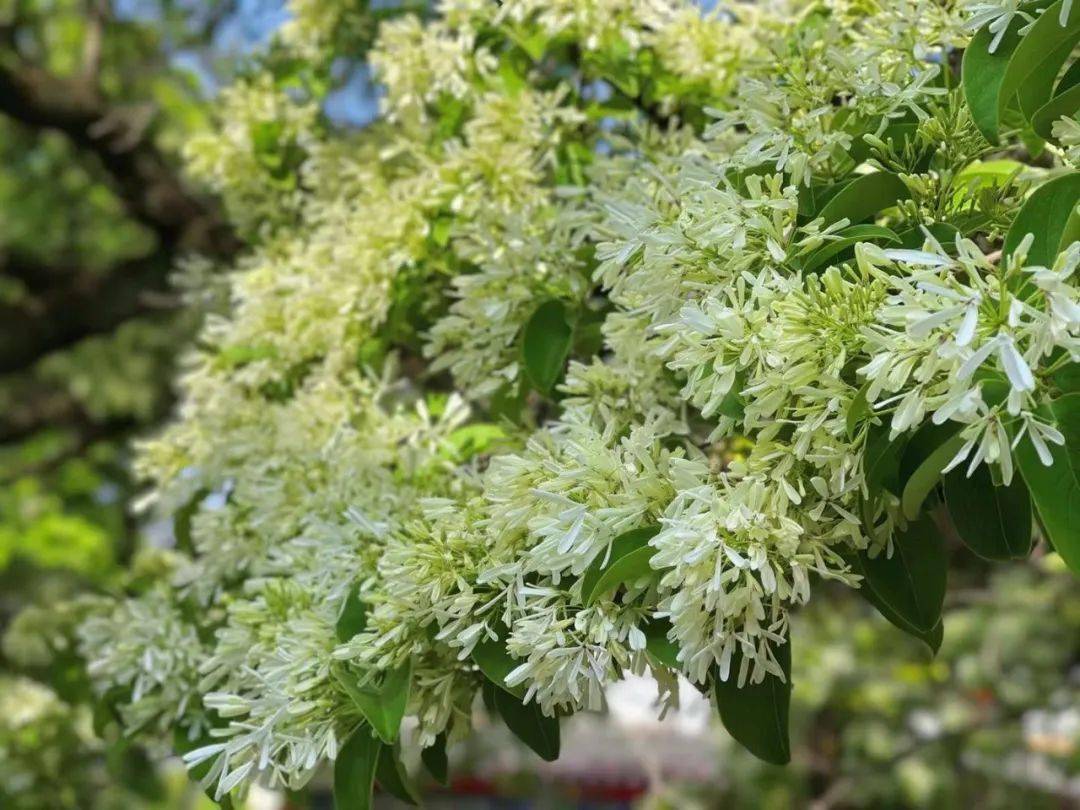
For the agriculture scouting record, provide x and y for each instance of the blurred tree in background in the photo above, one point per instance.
(94, 104)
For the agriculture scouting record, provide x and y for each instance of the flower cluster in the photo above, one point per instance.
(769, 264)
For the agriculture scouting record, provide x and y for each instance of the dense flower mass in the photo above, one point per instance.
(622, 328)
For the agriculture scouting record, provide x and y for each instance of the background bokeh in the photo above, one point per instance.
(108, 261)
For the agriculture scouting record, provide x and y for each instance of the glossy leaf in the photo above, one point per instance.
(1062, 105)
(435, 760)
(756, 715)
(627, 562)
(908, 588)
(496, 663)
(927, 474)
(1037, 59)
(382, 706)
(545, 345)
(1050, 214)
(529, 724)
(847, 237)
(882, 460)
(857, 411)
(354, 771)
(983, 73)
(353, 618)
(659, 646)
(863, 197)
(391, 775)
(993, 521)
(1055, 490)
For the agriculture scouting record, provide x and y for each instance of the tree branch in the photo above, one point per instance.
(78, 305)
(120, 138)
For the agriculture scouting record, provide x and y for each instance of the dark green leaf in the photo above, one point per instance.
(863, 197)
(487, 692)
(882, 460)
(847, 238)
(857, 411)
(1050, 214)
(382, 706)
(659, 646)
(1055, 490)
(756, 715)
(391, 775)
(909, 587)
(182, 520)
(993, 521)
(353, 616)
(529, 724)
(354, 771)
(1067, 378)
(496, 663)
(927, 474)
(627, 562)
(1037, 59)
(732, 406)
(1062, 105)
(435, 760)
(1070, 78)
(982, 74)
(546, 344)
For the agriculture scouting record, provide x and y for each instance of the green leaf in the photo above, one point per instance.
(435, 760)
(1050, 214)
(1055, 490)
(757, 714)
(732, 406)
(659, 646)
(1037, 59)
(1067, 378)
(472, 440)
(440, 230)
(487, 692)
(989, 173)
(1071, 78)
(993, 521)
(627, 562)
(858, 410)
(353, 618)
(1063, 105)
(909, 587)
(182, 520)
(934, 638)
(529, 724)
(982, 74)
(391, 775)
(496, 663)
(354, 771)
(382, 706)
(545, 345)
(927, 474)
(847, 238)
(863, 197)
(881, 460)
